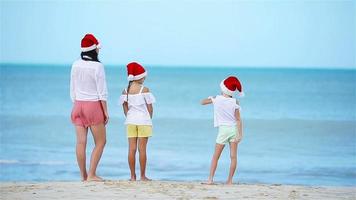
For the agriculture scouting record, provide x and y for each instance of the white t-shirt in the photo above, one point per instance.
(224, 110)
(138, 113)
(87, 81)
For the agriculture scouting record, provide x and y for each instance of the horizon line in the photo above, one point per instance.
(110, 65)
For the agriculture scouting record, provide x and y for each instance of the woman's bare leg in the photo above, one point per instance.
(214, 161)
(233, 164)
(142, 145)
(99, 135)
(132, 157)
(81, 150)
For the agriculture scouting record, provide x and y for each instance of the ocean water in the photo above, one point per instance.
(299, 125)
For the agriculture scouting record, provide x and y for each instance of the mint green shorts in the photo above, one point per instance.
(226, 134)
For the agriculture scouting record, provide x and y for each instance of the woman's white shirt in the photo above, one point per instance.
(87, 82)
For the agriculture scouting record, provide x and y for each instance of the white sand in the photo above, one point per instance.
(167, 190)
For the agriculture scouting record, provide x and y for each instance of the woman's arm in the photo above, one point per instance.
(72, 89)
(101, 83)
(206, 101)
(105, 109)
(239, 133)
(102, 91)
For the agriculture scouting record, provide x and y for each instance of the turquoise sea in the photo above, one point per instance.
(299, 125)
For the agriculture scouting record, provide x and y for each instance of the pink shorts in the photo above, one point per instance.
(87, 113)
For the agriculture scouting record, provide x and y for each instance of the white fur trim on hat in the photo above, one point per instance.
(138, 77)
(92, 47)
(225, 90)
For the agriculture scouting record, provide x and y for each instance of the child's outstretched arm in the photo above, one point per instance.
(207, 101)
(239, 125)
(125, 105)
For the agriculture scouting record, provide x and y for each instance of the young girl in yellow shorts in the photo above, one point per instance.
(137, 103)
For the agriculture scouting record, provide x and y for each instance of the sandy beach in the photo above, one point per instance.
(168, 190)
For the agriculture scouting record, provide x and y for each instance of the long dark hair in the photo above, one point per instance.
(90, 55)
(127, 91)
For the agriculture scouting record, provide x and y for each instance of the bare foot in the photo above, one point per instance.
(209, 182)
(133, 178)
(144, 178)
(229, 181)
(84, 177)
(94, 178)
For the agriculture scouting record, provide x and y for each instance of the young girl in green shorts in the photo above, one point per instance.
(227, 118)
(137, 103)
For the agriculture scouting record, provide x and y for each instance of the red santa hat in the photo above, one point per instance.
(135, 71)
(89, 42)
(230, 85)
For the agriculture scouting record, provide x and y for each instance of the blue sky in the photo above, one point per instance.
(194, 33)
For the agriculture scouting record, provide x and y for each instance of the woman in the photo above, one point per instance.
(88, 92)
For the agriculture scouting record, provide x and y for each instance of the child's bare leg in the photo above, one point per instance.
(233, 157)
(80, 150)
(132, 157)
(214, 161)
(142, 144)
(99, 135)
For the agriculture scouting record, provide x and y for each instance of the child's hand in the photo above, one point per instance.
(206, 101)
(238, 138)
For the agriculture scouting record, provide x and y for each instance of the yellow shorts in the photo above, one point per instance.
(138, 130)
